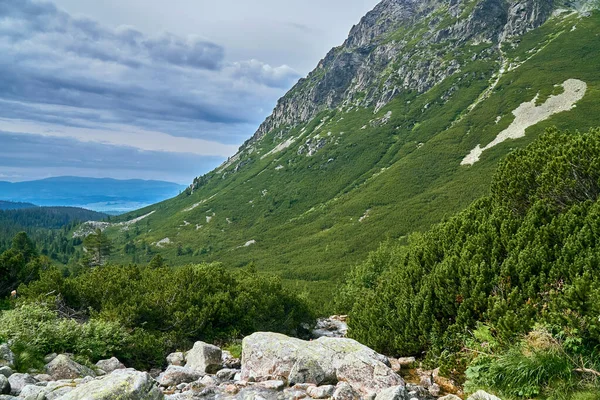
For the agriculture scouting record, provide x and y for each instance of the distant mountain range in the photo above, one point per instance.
(11, 205)
(105, 195)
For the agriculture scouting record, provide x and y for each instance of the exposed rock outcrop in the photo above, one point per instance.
(125, 384)
(62, 367)
(269, 356)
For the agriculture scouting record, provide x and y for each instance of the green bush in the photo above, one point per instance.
(160, 309)
(539, 365)
(527, 253)
(37, 330)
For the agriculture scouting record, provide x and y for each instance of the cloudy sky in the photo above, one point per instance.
(150, 89)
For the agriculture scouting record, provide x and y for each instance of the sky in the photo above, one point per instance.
(150, 89)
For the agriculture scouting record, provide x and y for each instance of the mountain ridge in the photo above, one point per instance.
(309, 200)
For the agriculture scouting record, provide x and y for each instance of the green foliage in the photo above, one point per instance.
(306, 216)
(526, 253)
(97, 249)
(164, 308)
(20, 264)
(37, 330)
(539, 365)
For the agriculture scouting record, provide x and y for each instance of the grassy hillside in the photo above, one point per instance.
(310, 218)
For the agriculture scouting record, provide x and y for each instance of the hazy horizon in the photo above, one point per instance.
(147, 90)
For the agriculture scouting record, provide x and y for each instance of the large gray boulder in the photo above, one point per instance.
(110, 365)
(19, 381)
(393, 393)
(122, 384)
(204, 358)
(62, 367)
(33, 392)
(325, 360)
(344, 391)
(174, 375)
(7, 357)
(4, 385)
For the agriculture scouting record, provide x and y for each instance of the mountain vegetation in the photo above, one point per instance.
(436, 177)
(523, 259)
(369, 146)
(48, 227)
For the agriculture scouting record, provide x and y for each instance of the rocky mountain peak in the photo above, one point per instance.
(402, 46)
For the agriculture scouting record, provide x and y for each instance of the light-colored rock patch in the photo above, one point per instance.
(280, 147)
(528, 114)
(163, 242)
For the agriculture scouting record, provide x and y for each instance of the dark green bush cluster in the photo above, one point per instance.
(156, 310)
(20, 264)
(529, 252)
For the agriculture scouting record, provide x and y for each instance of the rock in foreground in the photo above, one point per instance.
(122, 384)
(272, 356)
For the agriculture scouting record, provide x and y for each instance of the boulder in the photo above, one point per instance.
(320, 392)
(227, 374)
(43, 378)
(6, 371)
(110, 365)
(450, 397)
(344, 391)
(177, 358)
(8, 397)
(272, 385)
(175, 375)
(7, 357)
(56, 389)
(62, 367)
(33, 392)
(269, 356)
(4, 385)
(19, 381)
(392, 393)
(482, 395)
(122, 384)
(418, 392)
(204, 358)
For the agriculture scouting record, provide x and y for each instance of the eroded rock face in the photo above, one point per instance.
(268, 356)
(390, 52)
(62, 367)
(122, 384)
(204, 358)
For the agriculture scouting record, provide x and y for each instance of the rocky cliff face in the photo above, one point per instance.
(401, 46)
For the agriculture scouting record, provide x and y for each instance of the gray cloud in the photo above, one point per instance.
(72, 70)
(34, 157)
(95, 86)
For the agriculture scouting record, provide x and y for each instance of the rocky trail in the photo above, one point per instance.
(273, 367)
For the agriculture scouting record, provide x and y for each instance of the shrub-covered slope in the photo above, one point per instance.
(308, 197)
(524, 256)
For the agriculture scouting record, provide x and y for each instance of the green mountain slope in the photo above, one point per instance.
(370, 145)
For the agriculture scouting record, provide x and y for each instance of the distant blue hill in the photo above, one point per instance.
(104, 195)
(11, 205)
